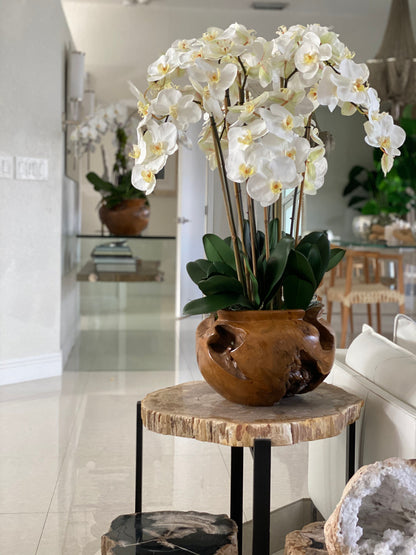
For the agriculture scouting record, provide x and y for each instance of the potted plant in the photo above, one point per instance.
(264, 338)
(124, 209)
(380, 198)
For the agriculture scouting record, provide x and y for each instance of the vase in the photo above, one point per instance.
(361, 226)
(130, 217)
(257, 357)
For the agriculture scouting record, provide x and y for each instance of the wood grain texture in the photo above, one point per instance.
(308, 541)
(257, 357)
(195, 410)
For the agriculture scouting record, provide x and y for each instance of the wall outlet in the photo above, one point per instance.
(35, 169)
(6, 167)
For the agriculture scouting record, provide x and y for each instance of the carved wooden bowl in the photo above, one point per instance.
(130, 217)
(257, 357)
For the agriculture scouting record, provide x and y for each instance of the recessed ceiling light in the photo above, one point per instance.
(269, 5)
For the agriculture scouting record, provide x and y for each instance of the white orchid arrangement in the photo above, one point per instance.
(91, 130)
(256, 99)
(114, 186)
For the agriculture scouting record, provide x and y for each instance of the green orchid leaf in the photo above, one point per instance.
(206, 305)
(259, 243)
(335, 256)
(254, 284)
(275, 267)
(199, 269)
(273, 233)
(299, 283)
(217, 284)
(99, 183)
(316, 248)
(224, 269)
(217, 250)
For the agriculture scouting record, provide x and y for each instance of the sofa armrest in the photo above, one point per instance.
(386, 428)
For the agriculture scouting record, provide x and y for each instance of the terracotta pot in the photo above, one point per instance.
(256, 358)
(130, 217)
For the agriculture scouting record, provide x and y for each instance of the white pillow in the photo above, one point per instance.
(384, 363)
(404, 333)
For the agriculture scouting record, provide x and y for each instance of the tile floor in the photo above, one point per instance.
(67, 458)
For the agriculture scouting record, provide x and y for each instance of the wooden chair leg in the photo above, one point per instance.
(369, 317)
(351, 323)
(344, 325)
(378, 317)
(329, 311)
(401, 308)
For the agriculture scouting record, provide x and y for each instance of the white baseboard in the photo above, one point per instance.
(30, 368)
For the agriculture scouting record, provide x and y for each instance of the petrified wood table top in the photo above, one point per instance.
(195, 410)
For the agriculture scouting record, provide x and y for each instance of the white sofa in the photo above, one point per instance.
(383, 373)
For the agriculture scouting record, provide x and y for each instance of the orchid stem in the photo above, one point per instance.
(266, 231)
(227, 201)
(252, 224)
(302, 186)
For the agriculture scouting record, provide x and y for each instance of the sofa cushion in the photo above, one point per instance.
(386, 364)
(405, 332)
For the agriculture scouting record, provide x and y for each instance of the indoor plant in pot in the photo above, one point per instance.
(123, 209)
(264, 338)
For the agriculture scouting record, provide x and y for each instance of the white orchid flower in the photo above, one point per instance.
(139, 149)
(316, 168)
(142, 103)
(211, 105)
(219, 78)
(163, 66)
(244, 136)
(143, 177)
(242, 164)
(384, 134)
(327, 90)
(351, 82)
(161, 140)
(260, 62)
(272, 176)
(248, 109)
(310, 54)
(240, 36)
(180, 108)
(280, 121)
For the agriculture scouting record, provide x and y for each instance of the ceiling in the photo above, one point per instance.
(304, 6)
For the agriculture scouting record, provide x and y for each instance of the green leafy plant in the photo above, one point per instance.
(372, 193)
(119, 188)
(286, 279)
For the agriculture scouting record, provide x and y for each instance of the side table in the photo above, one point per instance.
(196, 411)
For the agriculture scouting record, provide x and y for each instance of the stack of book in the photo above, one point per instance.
(114, 257)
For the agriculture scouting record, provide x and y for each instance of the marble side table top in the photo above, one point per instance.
(196, 411)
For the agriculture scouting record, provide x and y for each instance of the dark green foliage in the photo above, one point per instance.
(287, 279)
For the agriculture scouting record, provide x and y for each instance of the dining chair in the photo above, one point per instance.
(372, 285)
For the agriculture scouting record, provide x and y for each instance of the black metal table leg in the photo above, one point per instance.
(350, 451)
(236, 492)
(261, 497)
(139, 459)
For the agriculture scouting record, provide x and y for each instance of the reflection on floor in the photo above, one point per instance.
(67, 459)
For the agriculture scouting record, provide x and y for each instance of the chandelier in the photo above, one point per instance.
(393, 71)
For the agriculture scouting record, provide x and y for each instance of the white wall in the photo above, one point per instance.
(120, 43)
(33, 37)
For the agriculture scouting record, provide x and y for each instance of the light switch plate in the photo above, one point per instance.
(35, 169)
(6, 167)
